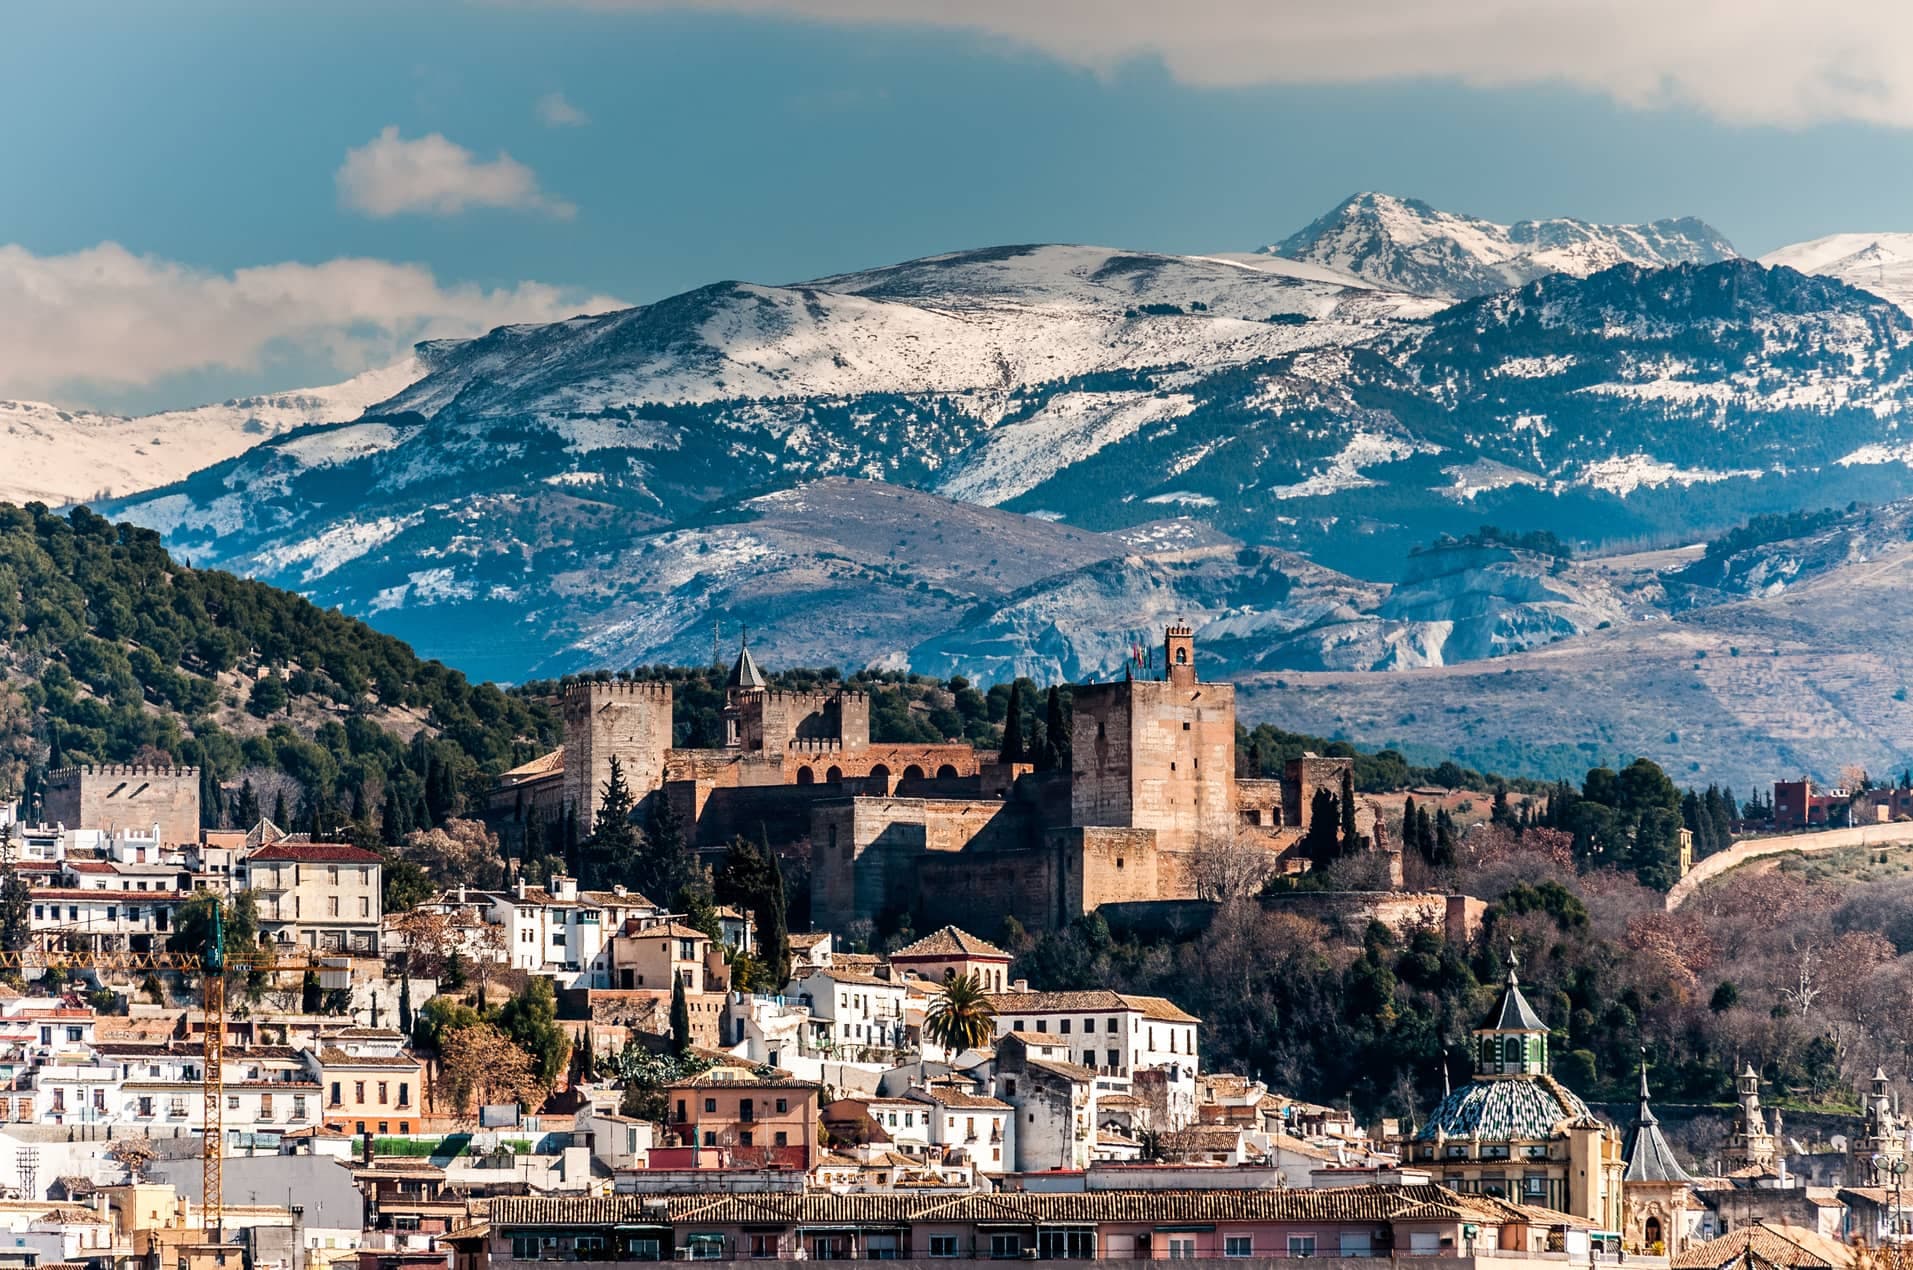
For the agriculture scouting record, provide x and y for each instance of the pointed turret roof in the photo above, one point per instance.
(745, 675)
(1649, 1158)
(1513, 1014)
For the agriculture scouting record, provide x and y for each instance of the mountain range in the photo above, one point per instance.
(1015, 460)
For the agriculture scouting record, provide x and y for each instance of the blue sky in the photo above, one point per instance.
(761, 143)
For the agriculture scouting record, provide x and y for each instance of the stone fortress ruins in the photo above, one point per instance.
(947, 831)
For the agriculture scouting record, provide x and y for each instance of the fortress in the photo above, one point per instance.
(944, 833)
(122, 796)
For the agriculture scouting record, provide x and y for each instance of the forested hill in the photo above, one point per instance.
(111, 651)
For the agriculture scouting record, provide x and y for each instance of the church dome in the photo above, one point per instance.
(1521, 1110)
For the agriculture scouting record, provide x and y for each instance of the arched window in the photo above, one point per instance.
(946, 772)
(1514, 1050)
(805, 776)
(834, 775)
(1182, 657)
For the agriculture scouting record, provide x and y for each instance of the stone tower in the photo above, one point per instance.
(613, 718)
(1883, 1140)
(1156, 753)
(119, 796)
(1751, 1142)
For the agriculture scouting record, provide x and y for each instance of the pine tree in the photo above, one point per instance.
(1012, 750)
(614, 839)
(680, 1020)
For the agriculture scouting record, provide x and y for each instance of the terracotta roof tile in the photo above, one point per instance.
(319, 852)
(948, 943)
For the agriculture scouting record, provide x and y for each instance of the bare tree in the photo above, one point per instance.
(1229, 866)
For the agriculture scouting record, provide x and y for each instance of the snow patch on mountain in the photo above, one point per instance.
(1017, 457)
(336, 546)
(1623, 474)
(1344, 470)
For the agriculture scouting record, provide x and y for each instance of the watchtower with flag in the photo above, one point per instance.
(1156, 753)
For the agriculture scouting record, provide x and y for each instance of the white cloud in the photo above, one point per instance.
(104, 317)
(389, 175)
(1743, 61)
(559, 113)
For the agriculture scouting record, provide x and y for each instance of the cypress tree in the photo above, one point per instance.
(311, 997)
(246, 810)
(680, 1020)
(1056, 739)
(1351, 840)
(1321, 843)
(613, 840)
(1012, 751)
(1411, 827)
(279, 813)
(405, 999)
(774, 942)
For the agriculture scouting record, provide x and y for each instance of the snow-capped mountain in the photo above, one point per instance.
(579, 491)
(1407, 245)
(59, 456)
(1880, 263)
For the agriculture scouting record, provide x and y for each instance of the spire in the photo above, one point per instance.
(1445, 1090)
(745, 676)
(1649, 1158)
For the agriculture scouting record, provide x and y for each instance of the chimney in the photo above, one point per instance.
(1020, 985)
(461, 893)
(367, 1151)
(520, 888)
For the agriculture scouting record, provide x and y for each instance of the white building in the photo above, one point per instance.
(967, 1125)
(558, 931)
(853, 1012)
(1112, 1034)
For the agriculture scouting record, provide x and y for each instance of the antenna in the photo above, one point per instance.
(27, 1160)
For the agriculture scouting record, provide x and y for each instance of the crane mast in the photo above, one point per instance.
(212, 967)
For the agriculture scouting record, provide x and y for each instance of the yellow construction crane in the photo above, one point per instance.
(212, 967)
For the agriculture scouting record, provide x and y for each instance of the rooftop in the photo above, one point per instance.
(950, 942)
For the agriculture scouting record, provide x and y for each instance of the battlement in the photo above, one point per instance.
(815, 745)
(1178, 628)
(123, 769)
(777, 696)
(587, 689)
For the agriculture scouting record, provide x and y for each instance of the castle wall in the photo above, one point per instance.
(868, 853)
(1105, 864)
(1258, 803)
(116, 796)
(628, 721)
(773, 721)
(976, 891)
(780, 812)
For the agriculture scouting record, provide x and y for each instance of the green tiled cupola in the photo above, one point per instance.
(1513, 1041)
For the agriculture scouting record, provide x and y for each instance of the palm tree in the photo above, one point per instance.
(961, 1017)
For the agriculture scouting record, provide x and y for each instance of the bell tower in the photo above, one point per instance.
(1179, 655)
